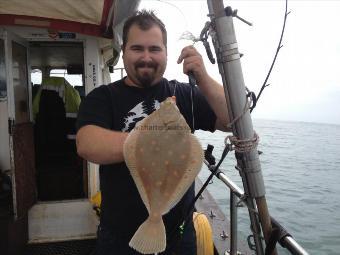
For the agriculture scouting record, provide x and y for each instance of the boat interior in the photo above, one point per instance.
(60, 172)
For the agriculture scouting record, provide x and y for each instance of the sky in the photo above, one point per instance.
(305, 81)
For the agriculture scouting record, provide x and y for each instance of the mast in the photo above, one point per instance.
(248, 163)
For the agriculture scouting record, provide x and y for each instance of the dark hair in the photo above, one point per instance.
(144, 20)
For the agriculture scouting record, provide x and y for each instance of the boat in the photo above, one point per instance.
(46, 206)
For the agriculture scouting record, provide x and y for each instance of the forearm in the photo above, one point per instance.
(99, 145)
(214, 93)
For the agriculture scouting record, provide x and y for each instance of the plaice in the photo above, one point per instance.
(163, 158)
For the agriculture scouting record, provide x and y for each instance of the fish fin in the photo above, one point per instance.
(195, 165)
(150, 237)
(130, 160)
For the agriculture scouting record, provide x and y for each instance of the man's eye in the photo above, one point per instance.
(155, 49)
(137, 48)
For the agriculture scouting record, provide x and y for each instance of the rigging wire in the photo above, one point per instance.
(264, 85)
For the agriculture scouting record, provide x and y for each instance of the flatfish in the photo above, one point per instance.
(163, 158)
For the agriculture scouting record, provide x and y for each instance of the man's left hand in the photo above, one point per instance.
(193, 62)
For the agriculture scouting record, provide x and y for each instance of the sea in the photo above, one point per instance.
(301, 171)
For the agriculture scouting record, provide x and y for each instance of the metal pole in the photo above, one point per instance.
(248, 163)
(294, 247)
(233, 223)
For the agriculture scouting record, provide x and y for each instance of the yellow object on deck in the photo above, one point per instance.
(204, 237)
(96, 201)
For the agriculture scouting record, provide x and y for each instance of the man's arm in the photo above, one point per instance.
(212, 90)
(100, 145)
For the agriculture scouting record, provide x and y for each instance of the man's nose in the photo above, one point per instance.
(146, 55)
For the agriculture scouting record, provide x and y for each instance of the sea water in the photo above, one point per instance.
(301, 171)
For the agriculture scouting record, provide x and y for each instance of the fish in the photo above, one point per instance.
(163, 158)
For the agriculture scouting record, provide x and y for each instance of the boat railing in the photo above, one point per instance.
(237, 196)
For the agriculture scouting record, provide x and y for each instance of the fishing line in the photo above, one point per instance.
(183, 222)
(178, 9)
(192, 82)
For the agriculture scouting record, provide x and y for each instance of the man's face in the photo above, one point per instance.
(144, 56)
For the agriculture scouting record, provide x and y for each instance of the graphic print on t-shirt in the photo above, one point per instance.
(139, 112)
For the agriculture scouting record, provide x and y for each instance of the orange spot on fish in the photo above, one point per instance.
(166, 162)
(175, 173)
(159, 183)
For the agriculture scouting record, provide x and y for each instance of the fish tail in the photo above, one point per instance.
(150, 237)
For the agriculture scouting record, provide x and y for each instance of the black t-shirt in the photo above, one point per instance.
(119, 107)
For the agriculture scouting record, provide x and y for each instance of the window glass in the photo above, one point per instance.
(73, 79)
(36, 76)
(118, 73)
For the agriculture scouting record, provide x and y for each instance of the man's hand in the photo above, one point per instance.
(212, 90)
(193, 62)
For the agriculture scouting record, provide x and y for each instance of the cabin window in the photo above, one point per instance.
(36, 76)
(3, 87)
(73, 79)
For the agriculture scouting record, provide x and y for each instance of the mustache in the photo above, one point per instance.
(150, 64)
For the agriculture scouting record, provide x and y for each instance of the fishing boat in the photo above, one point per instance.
(45, 204)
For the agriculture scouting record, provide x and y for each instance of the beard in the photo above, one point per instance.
(146, 78)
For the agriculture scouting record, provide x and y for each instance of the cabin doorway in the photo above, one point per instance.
(57, 83)
(37, 122)
(63, 211)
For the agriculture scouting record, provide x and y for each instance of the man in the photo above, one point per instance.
(109, 112)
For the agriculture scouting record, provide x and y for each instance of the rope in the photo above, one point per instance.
(244, 145)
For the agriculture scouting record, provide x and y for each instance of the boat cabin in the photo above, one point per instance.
(51, 55)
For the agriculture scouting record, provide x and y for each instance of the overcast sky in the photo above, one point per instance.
(305, 82)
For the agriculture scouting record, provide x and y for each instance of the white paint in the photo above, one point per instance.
(92, 64)
(58, 221)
